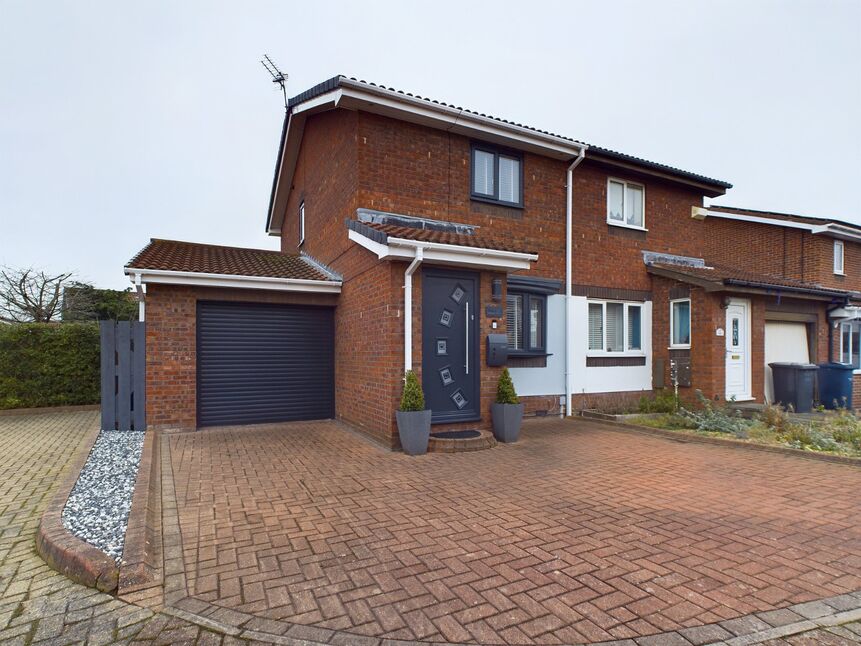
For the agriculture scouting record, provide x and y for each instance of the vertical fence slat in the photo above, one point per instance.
(107, 337)
(124, 372)
(139, 375)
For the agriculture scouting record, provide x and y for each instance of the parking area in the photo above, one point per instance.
(577, 533)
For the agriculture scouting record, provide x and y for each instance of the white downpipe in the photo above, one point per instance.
(408, 308)
(569, 301)
(141, 298)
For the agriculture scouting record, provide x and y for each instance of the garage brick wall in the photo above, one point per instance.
(171, 351)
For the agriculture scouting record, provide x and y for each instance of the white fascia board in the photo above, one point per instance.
(434, 252)
(839, 231)
(362, 97)
(829, 228)
(197, 279)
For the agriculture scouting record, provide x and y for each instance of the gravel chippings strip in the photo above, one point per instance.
(97, 510)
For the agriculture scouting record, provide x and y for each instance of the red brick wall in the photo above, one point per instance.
(171, 350)
(856, 393)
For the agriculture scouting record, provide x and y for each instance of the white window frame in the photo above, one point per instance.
(850, 325)
(840, 269)
(627, 352)
(624, 223)
(681, 346)
(301, 222)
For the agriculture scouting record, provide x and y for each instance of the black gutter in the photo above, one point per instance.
(277, 168)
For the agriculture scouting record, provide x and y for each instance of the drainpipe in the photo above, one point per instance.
(569, 301)
(408, 308)
(141, 298)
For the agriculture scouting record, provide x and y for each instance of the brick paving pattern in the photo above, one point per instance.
(575, 534)
(38, 605)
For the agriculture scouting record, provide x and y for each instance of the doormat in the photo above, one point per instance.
(455, 435)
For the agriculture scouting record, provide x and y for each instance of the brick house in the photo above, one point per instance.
(418, 235)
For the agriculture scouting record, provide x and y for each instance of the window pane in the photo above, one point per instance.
(838, 256)
(596, 326)
(634, 205)
(509, 179)
(536, 323)
(844, 343)
(482, 172)
(615, 330)
(514, 321)
(635, 332)
(856, 346)
(681, 323)
(616, 202)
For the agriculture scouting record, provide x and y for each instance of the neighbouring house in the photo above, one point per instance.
(419, 235)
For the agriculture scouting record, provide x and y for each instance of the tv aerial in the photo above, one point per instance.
(278, 76)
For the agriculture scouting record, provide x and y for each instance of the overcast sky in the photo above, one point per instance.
(121, 121)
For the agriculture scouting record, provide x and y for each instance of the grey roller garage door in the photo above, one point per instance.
(260, 363)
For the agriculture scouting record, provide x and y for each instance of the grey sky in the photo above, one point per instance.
(121, 121)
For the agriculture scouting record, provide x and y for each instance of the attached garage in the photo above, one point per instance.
(260, 362)
(784, 341)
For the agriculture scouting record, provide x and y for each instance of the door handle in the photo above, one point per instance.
(466, 345)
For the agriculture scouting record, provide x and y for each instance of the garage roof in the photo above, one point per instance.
(178, 256)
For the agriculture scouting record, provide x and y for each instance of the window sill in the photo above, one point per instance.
(614, 355)
(839, 273)
(490, 200)
(680, 347)
(622, 225)
(529, 355)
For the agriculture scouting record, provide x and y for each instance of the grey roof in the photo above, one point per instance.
(336, 81)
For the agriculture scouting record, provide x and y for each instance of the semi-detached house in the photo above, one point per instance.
(413, 231)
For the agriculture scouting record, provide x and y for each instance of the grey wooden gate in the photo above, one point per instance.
(123, 375)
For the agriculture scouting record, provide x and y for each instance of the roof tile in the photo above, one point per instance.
(480, 241)
(174, 255)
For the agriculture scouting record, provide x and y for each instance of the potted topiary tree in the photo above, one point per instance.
(413, 420)
(507, 411)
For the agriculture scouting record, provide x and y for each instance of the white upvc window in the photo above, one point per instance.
(615, 328)
(850, 344)
(680, 323)
(301, 222)
(626, 204)
(838, 257)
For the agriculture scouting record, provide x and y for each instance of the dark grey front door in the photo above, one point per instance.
(450, 368)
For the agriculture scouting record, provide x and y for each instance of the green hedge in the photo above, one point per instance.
(46, 364)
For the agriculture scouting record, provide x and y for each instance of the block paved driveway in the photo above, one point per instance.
(577, 533)
(38, 605)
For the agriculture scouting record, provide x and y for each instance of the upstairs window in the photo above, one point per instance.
(838, 257)
(497, 176)
(525, 318)
(301, 222)
(626, 204)
(850, 344)
(680, 323)
(615, 327)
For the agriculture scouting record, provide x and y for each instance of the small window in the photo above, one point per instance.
(680, 323)
(626, 204)
(838, 257)
(497, 176)
(301, 222)
(615, 327)
(850, 344)
(525, 318)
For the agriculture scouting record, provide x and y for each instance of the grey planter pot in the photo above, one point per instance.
(414, 431)
(507, 419)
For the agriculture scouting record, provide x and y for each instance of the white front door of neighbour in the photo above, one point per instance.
(737, 336)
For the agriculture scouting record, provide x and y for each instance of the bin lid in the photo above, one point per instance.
(793, 366)
(834, 365)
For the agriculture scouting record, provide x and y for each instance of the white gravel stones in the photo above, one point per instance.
(97, 510)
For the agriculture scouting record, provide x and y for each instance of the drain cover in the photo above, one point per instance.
(455, 435)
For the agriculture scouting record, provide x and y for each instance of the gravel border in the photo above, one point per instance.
(97, 510)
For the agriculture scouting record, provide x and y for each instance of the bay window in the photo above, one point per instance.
(850, 344)
(626, 204)
(615, 327)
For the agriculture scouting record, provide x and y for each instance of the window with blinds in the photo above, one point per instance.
(514, 321)
(615, 327)
(497, 176)
(680, 323)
